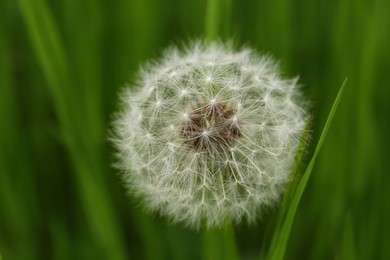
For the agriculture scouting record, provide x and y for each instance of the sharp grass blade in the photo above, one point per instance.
(290, 189)
(280, 238)
(295, 177)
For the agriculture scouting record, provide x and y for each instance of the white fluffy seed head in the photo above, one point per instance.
(209, 134)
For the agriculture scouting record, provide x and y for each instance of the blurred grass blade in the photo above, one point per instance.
(50, 52)
(348, 249)
(280, 237)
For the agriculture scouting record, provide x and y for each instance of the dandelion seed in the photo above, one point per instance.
(221, 146)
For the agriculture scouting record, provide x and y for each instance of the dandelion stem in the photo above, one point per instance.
(219, 244)
(217, 19)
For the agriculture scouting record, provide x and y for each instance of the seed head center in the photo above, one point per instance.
(211, 128)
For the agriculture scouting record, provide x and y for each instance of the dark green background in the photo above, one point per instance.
(62, 63)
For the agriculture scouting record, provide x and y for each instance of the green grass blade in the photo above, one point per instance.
(48, 46)
(279, 242)
(348, 249)
(290, 189)
(295, 177)
(50, 53)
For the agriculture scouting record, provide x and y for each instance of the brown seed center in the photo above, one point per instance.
(211, 128)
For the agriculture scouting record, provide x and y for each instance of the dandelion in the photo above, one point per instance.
(208, 134)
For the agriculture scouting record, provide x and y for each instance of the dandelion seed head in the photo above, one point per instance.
(208, 134)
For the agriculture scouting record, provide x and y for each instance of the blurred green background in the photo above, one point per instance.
(62, 63)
